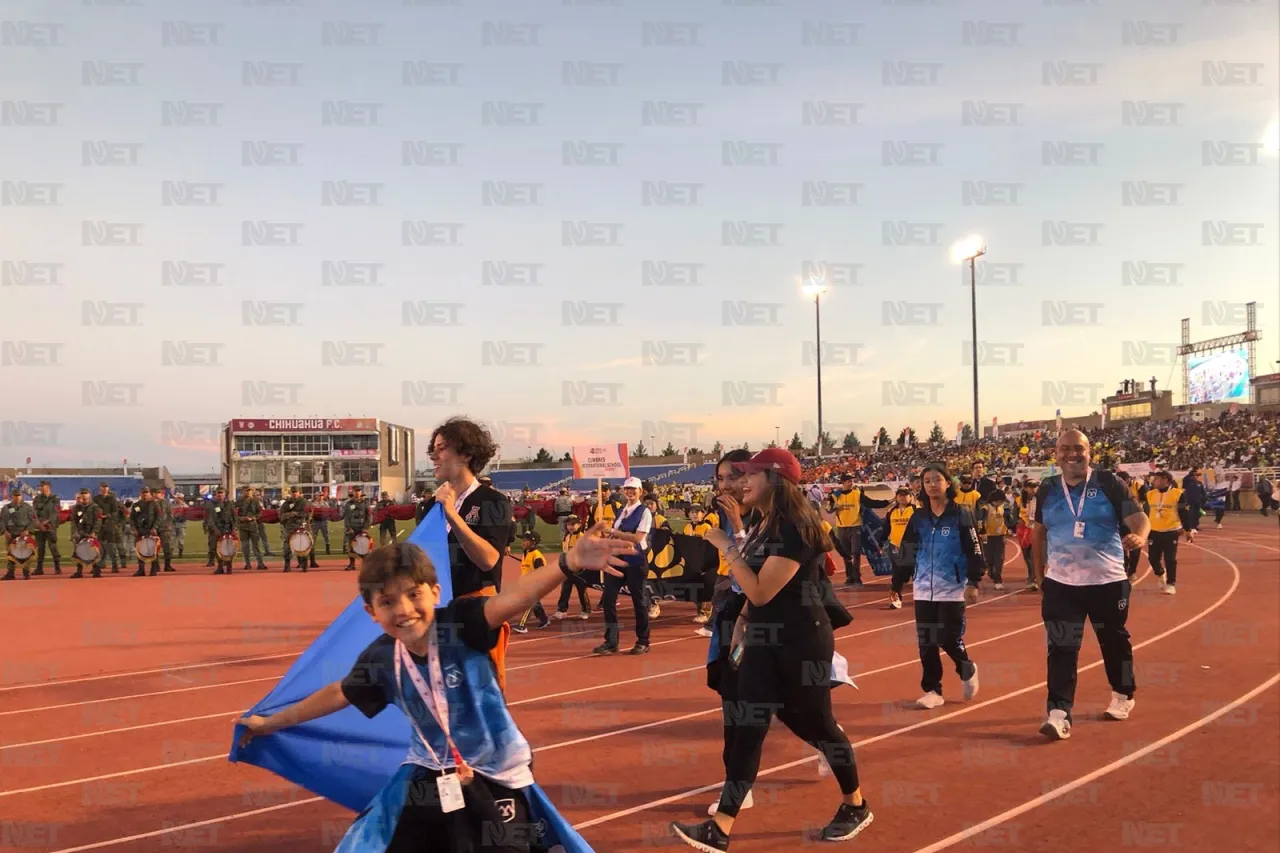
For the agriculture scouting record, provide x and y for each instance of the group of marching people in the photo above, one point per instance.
(773, 613)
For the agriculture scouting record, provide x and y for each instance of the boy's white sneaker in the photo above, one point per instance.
(971, 685)
(1120, 705)
(1056, 726)
(930, 700)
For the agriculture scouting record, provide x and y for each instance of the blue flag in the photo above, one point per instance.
(350, 759)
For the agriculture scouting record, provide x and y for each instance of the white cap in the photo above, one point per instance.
(631, 483)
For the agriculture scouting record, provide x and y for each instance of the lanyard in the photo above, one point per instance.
(433, 698)
(457, 504)
(1075, 513)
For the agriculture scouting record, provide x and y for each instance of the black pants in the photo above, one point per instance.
(496, 820)
(781, 679)
(850, 539)
(567, 587)
(940, 625)
(1031, 569)
(1162, 551)
(46, 539)
(1131, 559)
(1064, 609)
(634, 580)
(1217, 515)
(994, 553)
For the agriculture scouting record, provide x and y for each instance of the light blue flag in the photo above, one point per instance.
(353, 760)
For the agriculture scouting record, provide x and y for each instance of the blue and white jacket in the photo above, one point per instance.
(940, 554)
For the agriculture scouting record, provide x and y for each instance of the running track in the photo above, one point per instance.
(117, 696)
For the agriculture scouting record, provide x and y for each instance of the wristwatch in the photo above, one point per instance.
(564, 565)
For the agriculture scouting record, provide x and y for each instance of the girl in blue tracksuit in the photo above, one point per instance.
(941, 553)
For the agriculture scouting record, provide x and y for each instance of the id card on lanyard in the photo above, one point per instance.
(1078, 529)
(448, 785)
(457, 504)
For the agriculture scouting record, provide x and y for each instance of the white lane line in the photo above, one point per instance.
(229, 715)
(1081, 781)
(968, 709)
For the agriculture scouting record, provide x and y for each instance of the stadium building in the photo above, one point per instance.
(333, 454)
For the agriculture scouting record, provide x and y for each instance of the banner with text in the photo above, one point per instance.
(605, 461)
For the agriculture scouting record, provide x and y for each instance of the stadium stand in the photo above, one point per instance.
(66, 486)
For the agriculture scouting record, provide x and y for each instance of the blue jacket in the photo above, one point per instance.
(940, 554)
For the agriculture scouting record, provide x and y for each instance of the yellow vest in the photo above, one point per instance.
(994, 523)
(968, 500)
(570, 539)
(1163, 509)
(899, 516)
(848, 508)
(527, 561)
(1024, 509)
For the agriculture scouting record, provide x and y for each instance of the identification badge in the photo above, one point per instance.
(1079, 530)
(450, 789)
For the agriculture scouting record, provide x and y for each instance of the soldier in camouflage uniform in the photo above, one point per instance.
(293, 517)
(143, 520)
(247, 511)
(164, 526)
(320, 505)
(387, 527)
(220, 517)
(86, 521)
(46, 507)
(179, 513)
(262, 537)
(111, 523)
(355, 520)
(17, 519)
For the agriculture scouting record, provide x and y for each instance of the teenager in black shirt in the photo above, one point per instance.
(786, 637)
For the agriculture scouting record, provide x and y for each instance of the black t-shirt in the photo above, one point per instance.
(486, 511)
(371, 684)
(800, 601)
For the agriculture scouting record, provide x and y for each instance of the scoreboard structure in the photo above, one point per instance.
(329, 455)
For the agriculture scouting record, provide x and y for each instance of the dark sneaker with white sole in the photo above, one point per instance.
(848, 822)
(705, 836)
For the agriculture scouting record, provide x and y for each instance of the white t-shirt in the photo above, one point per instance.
(645, 525)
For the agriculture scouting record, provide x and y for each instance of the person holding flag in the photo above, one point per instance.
(466, 783)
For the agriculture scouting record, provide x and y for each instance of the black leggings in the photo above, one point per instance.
(1162, 551)
(994, 553)
(781, 679)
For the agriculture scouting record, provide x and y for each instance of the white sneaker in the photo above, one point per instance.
(1160, 580)
(895, 602)
(715, 807)
(1169, 589)
(701, 618)
(584, 615)
(930, 700)
(1120, 705)
(1219, 525)
(1056, 726)
(559, 614)
(1000, 587)
(704, 631)
(971, 686)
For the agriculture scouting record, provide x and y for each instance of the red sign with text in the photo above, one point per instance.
(304, 425)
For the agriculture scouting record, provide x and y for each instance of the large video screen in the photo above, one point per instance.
(1221, 377)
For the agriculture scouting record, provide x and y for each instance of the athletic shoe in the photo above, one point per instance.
(1056, 726)
(604, 649)
(639, 649)
(1160, 580)
(1033, 586)
(746, 804)
(560, 614)
(848, 822)
(895, 602)
(586, 614)
(704, 631)
(1120, 705)
(705, 836)
(1219, 526)
(930, 700)
(1000, 587)
(542, 625)
(970, 685)
(701, 618)
(1169, 589)
(520, 629)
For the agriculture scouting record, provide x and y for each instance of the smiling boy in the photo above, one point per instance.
(464, 784)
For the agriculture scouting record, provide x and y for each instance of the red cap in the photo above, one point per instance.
(773, 459)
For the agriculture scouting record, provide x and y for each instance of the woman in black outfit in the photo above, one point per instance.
(780, 569)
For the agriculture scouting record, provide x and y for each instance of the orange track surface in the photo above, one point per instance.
(105, 682)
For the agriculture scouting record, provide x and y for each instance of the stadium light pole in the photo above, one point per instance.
(816, 288)
(970, 249)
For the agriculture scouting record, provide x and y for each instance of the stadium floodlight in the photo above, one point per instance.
(970, 249)
(815, 289)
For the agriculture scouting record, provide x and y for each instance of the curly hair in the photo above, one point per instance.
(467, 439)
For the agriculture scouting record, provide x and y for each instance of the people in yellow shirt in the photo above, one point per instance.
(968, 495)
(994, 521)
(572, 533)
(846, 504)
(1165, 504)
(530, 562)
(698, 526)
(898, 517)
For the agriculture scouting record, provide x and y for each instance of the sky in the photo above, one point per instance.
(591, 221)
